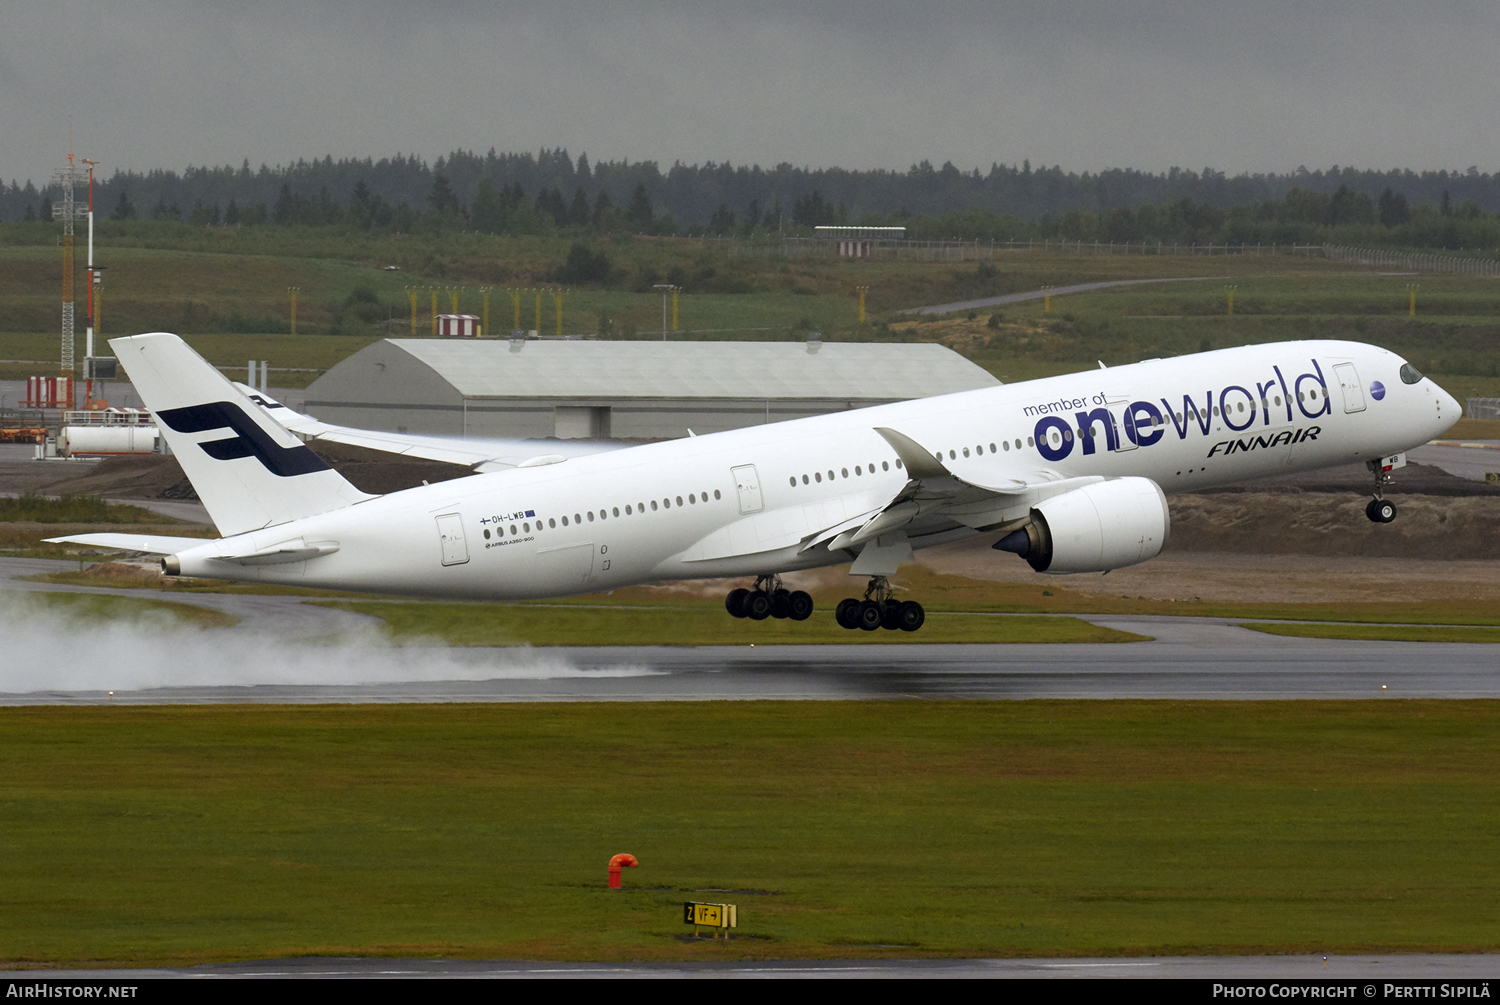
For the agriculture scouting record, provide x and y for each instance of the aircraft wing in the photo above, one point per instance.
(976, 499)
(482, 455)
(971, 495)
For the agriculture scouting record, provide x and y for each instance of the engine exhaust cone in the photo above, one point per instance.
(1017, 542)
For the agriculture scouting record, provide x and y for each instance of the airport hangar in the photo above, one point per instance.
(630, 390)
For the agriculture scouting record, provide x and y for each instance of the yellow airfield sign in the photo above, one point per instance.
(710, 915)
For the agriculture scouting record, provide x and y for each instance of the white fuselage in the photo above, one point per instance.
(746, 501)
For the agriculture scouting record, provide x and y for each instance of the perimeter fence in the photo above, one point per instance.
(1421, 261)
(1482, 408)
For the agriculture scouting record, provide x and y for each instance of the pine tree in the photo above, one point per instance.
(604, 210)
(488, 214)
(722, 222)
(578, 213)
(640, 214)
(442, 198)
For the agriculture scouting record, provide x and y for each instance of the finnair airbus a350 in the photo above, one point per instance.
(1070, 473)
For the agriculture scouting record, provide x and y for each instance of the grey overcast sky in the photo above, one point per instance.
(1252, 85)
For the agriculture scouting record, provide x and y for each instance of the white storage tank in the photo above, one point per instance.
(74, 441)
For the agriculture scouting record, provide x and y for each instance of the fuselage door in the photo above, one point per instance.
(451, 534)
(1354, 395)
(747, 484)
(1117, 407)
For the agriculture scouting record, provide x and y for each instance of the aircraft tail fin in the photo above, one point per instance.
(249, 471)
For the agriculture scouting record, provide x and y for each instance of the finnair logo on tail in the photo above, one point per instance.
(248, 439)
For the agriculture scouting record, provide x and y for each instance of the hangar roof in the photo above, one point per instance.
(609, 369)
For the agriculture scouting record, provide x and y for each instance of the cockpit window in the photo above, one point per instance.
(1410, 374)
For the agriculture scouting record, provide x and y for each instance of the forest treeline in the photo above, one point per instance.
(549, 192)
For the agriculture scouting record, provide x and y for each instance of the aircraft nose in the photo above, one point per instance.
(1449, 410)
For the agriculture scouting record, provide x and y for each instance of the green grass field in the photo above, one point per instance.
(702, 624)
(172, 835)
(32, 508)
(1383, 633)
(103, 607)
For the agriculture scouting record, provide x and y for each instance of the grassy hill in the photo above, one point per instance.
(226, 291)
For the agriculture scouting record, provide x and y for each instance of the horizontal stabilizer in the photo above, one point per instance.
(482, 455)
(150, 544)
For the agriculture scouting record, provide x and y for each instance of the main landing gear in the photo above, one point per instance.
(1380, 509)
(879, 610)
(769, 600)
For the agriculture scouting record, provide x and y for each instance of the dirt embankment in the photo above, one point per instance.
(1325, 524)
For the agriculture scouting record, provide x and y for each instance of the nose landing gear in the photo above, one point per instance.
(769, 599)
(1380, 509)
(879, 609)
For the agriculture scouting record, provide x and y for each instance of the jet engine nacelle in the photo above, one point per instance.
(1102, 526)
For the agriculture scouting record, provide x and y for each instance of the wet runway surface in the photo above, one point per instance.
(1205, 658)
(1360, 969)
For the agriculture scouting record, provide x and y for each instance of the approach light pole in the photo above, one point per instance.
(666, 288)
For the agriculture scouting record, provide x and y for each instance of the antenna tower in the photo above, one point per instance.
(67, 179)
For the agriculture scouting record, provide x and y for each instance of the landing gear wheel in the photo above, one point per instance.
(781, 604)
(735, 602)
(910, 616)
(890, 614)
(1381, 511)
(847, 613)
(870, 615)
(799, 606)
(758, 607)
